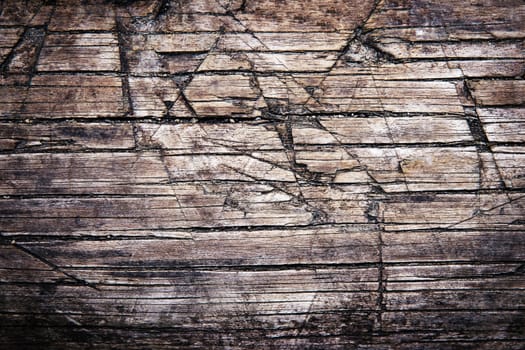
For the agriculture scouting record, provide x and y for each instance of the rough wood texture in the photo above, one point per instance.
(227, 174)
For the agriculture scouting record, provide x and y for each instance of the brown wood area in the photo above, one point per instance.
(262, 174)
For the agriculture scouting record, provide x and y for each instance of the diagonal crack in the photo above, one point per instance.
(53, 266)
(171, 181)
(479, 212)
(355, 34)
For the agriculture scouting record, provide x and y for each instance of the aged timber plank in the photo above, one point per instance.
(184, 305)
(384, 130)
(453, 245)
(341, 93)
(223, 138)
(396, 169)
(101, 173)
(495, 211)
(70, 136)
(496, 93)
(503, 124)
(58, 96)
(324, 245)
(18, 266)
(79, 15)
(80, 52)
(185, 206)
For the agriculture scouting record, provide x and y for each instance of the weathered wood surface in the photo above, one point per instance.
(262, 174)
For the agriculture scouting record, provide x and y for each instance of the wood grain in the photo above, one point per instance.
(262, 174)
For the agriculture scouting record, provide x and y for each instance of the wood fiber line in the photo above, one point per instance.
(236, 174)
